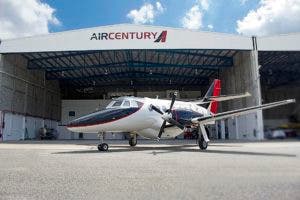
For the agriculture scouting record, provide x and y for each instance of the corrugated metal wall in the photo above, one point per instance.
(26, 98)
(26, 91)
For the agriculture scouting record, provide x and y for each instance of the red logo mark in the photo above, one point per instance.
(162, 37)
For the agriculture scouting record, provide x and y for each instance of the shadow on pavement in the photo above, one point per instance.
(176, 148)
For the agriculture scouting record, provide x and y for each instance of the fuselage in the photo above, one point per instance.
(132, 114)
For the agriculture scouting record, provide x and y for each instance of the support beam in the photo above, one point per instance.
(134, 74)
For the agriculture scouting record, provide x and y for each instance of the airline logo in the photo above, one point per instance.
(154, 36)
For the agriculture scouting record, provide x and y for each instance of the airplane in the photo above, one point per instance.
(161, 118)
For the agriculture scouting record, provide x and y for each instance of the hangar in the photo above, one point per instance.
(51, 79)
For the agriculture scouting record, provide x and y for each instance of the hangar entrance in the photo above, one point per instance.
(87, 80)
(280, 79)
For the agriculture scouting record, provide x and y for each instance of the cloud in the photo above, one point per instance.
(159, 7)
(25, 18)
(204, 4)
(146, 13)
(194, 16)
(272, 17)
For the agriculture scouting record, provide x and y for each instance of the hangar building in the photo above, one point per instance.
(51, 79)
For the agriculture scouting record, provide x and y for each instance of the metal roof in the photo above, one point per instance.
(279, 67)
(131, 68)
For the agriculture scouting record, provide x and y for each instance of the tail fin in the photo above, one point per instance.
(213, 91)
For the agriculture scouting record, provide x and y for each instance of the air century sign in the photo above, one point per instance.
(155, 36)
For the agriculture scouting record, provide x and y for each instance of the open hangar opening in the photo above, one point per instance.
(52, 79)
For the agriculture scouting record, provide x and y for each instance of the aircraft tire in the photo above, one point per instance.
(202, 143)
(103, 147)
(132, 141)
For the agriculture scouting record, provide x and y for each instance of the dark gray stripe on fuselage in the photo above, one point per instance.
(103, 116)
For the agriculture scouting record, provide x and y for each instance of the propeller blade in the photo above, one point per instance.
(156, 109)
(162, 129)
(176, 123)
(172, 102)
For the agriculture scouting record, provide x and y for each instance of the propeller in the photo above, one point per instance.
(167, 116)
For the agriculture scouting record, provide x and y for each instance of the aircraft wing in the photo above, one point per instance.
(238, 112)
(220, 98)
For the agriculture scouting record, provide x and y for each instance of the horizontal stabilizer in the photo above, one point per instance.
(221, 98)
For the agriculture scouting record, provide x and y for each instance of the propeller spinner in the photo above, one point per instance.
(167, 116)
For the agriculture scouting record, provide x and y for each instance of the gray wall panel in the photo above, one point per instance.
(27, 91)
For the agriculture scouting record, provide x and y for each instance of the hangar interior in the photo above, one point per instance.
(50, 88)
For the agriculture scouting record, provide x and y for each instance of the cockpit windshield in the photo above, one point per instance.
(124, 103)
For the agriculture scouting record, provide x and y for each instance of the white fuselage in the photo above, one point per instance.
(144, 121)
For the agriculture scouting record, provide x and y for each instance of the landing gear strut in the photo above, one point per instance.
(132, 140)
(202, 143)
(202, 137)
(102, 146)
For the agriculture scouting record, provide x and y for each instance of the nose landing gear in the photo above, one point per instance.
(132, 140)
(102, 146)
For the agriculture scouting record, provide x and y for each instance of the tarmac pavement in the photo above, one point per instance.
(151, 170)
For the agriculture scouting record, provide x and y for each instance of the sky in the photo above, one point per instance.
(19, 18)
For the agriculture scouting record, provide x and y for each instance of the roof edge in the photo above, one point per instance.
(124, 24)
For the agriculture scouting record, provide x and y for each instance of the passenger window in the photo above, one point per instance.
(126, 104)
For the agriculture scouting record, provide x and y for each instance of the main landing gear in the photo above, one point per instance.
(202, 143)
(202, 137)
(132, 140)
(102, 146)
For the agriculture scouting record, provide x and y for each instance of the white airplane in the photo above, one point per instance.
(156, 118)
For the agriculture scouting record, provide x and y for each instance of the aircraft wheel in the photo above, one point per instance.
(103, 147)
(132, 141)
(202, 143)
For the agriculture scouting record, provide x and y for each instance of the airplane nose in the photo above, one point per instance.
(102, 117)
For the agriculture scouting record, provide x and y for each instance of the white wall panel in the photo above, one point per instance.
(14, 128)
(285, 42)
(81, 40)
(31, 128)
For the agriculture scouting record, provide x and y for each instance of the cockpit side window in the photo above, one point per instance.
(126, 103)
(117, 103)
